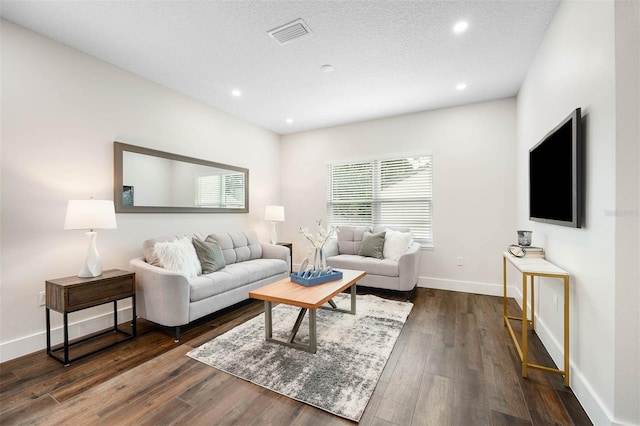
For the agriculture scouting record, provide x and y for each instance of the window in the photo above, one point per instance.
(392, 192)
(220, 190)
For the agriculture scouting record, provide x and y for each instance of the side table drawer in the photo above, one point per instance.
(97, 293)
(66, 296)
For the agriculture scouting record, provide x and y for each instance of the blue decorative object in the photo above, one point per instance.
(308, 278)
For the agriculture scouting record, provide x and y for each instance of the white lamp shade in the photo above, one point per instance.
(90, 214)
(274, 213)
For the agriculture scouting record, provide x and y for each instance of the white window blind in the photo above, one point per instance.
(220, 191)
(390, 192)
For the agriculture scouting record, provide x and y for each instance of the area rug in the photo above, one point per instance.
(339, 378)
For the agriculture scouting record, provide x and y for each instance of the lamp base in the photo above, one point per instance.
(93, 263)
(274, 235)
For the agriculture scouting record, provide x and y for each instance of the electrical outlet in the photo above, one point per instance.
(41, 300)
(459, 261)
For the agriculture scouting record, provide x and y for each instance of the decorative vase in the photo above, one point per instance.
(524, 238)
(319, 261)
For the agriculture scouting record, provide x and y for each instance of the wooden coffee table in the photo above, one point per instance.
(308, 299)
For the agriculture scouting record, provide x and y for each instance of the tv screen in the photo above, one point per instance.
(555, 175)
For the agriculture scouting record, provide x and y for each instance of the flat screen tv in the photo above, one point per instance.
(555, 175)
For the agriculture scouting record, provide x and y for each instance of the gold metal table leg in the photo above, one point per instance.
(504, 289)
(525, 325)
(533, 310)
(566, 331)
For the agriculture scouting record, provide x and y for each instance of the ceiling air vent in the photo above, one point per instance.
(290, 31)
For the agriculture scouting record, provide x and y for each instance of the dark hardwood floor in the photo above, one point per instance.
(453, 364)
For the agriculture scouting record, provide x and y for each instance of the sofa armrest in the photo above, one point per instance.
(331, 248)
(409, 267)
(162, 296)
(274, 251)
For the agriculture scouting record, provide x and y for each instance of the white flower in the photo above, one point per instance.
(320, 239)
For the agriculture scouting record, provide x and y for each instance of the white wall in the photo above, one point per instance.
(627, 213)
(575, 66)
(474, 190)
(61, 112)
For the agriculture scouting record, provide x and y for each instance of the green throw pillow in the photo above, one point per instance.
(372, 245)
(210, 255)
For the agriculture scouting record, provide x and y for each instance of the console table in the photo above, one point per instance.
(72, 294)
(531, 267)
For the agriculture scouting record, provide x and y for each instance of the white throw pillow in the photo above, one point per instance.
(395, 244)
(179, 256)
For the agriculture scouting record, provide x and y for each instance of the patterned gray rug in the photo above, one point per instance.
(339, 378)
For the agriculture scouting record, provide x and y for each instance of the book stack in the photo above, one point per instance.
(531, 251)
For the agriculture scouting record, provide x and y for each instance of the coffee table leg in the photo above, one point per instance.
(353, 299)
(268, 324)
(334, 307)
(313, 337)
(296, 326)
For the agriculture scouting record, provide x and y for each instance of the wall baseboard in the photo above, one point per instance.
(489, 289)
(38, 341)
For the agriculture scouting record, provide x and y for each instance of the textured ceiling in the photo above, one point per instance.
(389, 57)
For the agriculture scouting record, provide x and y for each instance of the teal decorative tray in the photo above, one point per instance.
(323, 278)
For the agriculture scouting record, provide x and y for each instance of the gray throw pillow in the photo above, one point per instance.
(372, 245)
(210, 255)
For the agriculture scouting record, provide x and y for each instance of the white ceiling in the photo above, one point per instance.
(389, 57)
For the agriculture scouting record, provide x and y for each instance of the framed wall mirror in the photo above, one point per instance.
(151, 181)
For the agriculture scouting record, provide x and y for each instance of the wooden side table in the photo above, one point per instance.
(531, 267)
(72, 294)
(290, 246)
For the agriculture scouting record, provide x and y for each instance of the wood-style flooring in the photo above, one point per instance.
(453, 364)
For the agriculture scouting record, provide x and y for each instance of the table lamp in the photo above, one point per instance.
(90, 214)
(274, 214)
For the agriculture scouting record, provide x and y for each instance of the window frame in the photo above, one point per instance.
(223, 187)
(422, 229)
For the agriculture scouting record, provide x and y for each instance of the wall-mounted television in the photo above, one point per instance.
(555, 175)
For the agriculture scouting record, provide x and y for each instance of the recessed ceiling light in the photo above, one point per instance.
(461, 86)
(236, 93)
(289, 120)
(460, 27)
(326, 68)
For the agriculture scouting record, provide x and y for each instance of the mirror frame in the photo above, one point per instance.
(118, 150)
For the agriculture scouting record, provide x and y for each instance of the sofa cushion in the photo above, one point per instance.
(179, 256)
(235, 275)
(372, 245)
(210, 255)
(238, 246)
(350, 238)
(396, 244)
(147, 249)
(370, 265)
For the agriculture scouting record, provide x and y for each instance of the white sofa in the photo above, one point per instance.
(171, 299)
(399, 275)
